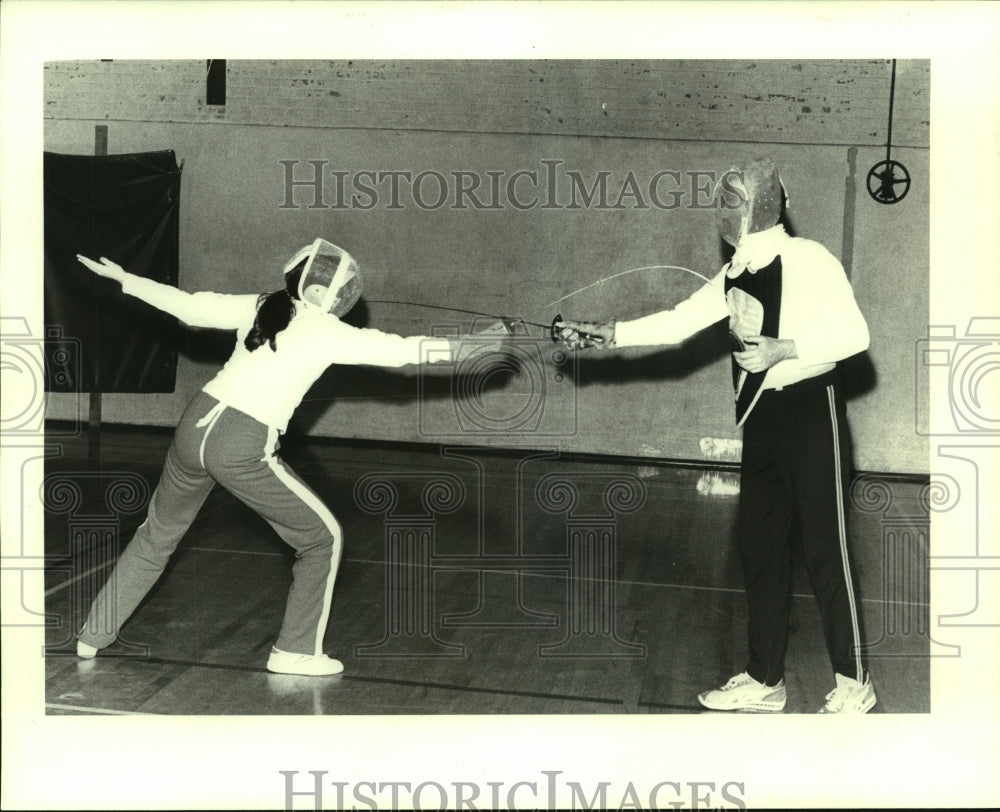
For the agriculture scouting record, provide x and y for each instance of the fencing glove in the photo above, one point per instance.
(581, 335)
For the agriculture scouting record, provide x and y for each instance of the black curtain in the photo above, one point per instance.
(125, 208)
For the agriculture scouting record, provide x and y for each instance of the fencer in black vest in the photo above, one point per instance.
(792, 316)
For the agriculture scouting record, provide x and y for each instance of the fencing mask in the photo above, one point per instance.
(330, 280)
(748, 200)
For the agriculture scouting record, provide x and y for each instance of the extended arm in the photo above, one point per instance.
(203, 309)
(704, 307)
(370, 347)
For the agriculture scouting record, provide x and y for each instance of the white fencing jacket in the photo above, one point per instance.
(818, 310)
(268, 385)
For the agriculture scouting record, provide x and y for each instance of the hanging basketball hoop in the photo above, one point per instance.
(885, 176)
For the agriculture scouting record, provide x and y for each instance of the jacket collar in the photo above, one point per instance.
(757, 251)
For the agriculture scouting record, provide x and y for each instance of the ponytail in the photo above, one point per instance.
(274, 312)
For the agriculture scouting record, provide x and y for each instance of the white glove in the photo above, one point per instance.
(580, 335)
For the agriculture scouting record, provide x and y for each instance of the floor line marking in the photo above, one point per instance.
(527, 566)
(86, 709)
(364, 678)
(234, 552)
(74, 579)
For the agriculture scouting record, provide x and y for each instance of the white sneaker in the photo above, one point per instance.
(743, 692)
(850, 696)
(309, 665)
(85, 651)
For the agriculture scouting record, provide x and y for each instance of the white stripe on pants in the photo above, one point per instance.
(239, 453)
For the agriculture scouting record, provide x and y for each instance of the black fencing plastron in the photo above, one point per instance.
(754, 300)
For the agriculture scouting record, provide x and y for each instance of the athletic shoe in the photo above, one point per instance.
(85, 651)
(308, 665)
(850, 696)
(743, 692)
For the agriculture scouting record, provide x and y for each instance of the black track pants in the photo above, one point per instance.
(796, 467)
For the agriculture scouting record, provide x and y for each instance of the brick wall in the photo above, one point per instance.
(783, 101)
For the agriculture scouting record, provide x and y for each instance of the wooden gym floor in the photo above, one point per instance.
(496, 583)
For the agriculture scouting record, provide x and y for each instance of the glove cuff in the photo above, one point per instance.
(609, 330)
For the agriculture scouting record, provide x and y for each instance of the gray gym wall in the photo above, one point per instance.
(824, 123)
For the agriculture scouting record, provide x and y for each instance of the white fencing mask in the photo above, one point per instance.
(748, 200)
(330, 279)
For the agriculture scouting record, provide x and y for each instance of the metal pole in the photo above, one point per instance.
(94, 415)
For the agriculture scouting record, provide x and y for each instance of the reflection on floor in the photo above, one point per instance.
(473, 582)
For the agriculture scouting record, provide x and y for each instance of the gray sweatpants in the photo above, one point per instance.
(214, 443)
